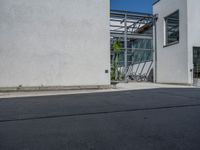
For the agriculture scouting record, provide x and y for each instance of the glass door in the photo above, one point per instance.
(196, 62)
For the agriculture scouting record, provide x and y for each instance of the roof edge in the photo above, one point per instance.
(155, 2)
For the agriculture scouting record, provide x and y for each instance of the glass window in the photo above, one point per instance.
(172, 28)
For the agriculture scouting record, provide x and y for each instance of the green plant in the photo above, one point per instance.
(116, 48)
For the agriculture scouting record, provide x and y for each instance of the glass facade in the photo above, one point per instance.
(139, 51)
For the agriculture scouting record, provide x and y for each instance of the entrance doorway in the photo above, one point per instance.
(196, 62)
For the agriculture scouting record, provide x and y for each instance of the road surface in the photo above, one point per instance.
(154, 119)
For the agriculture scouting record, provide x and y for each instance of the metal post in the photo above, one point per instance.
(155, 17)
(125, 48)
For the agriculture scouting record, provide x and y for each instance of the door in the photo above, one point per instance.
(196, 62)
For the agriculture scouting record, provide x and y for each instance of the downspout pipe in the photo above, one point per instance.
(155, 18)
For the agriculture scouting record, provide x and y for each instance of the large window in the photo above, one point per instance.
(172, 28)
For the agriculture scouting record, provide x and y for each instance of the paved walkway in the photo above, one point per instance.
(120, 87)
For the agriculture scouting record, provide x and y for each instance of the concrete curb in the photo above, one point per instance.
(54, 88)
(51, 91)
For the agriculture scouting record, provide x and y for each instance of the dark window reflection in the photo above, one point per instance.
(172, 28)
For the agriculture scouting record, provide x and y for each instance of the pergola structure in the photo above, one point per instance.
(135, 32)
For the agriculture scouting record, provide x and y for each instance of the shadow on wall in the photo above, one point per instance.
(150, 76)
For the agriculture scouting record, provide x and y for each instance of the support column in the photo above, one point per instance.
(125, 48)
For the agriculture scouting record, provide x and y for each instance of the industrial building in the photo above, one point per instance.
(177, 41)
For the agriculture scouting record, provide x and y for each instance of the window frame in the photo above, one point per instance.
(166, 43)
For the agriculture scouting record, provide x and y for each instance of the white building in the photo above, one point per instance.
(48, 43)
(177, 41)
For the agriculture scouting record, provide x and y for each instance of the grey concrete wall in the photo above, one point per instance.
(172, 61)
(54, 42)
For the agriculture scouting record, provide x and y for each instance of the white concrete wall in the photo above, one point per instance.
(54, 42)
(172, 61)
(193, 30)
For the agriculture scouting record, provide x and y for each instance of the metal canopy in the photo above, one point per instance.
(130, 23)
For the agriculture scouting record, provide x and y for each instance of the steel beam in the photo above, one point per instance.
(131, 36)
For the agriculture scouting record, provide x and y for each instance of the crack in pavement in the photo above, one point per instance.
(97, 113)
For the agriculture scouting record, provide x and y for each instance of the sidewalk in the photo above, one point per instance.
(120, 87)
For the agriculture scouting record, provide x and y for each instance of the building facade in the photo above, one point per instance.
(54, 43)
(177, 34)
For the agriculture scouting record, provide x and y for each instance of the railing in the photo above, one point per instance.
(139, 66)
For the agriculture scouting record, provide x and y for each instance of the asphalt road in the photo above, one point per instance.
(159, 119)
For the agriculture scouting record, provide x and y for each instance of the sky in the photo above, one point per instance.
(132, 5)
